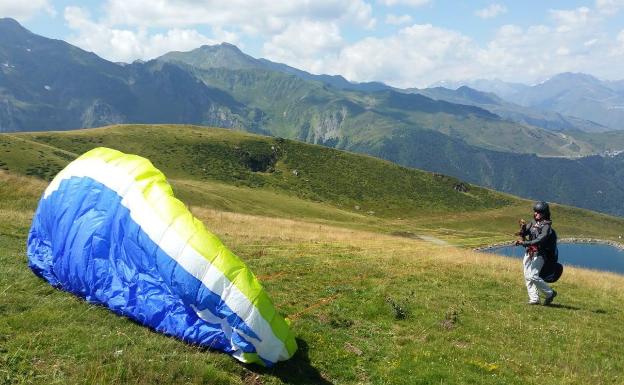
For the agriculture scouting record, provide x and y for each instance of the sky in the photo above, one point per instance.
(404, 43)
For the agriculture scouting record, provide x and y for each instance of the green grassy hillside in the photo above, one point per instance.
(365, 191)
(312, 172)
(376, 294)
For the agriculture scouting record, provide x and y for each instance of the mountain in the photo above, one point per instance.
(48, 84)
(322, 112)
(228, 56)
(617, 85)
(580, 95)
(575, 95)
(318, 115)
(498, 87)
(548, 120)
(594, 182)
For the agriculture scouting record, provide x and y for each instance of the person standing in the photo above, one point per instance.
(540, 241)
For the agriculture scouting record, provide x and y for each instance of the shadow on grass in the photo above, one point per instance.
(561, 306)
(297, 370)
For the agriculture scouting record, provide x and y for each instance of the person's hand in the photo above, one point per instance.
(518, 242)
(521, 222)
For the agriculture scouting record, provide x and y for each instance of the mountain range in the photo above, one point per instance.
(48, 84)
(577, 95)
(546, 119)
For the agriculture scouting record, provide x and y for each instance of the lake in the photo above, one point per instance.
(587, 255)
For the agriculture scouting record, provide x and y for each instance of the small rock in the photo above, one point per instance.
(357, 207)
(295, 173)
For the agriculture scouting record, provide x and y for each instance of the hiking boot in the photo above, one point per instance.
(550, 298)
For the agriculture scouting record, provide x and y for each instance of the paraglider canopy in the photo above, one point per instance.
(109, 229)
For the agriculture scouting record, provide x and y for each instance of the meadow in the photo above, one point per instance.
(389, 292)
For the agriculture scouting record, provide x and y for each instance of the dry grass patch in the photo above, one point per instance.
(260, 228)
(20, 185)
(310, 238)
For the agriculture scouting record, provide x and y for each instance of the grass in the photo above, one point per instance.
(367, 306)
(245, 173)
(306, 171)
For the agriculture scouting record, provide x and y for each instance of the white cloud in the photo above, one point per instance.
(398, 20)
(563, 51)
(306, 45)
(128, 44)
(411, 57)
(618, 49)
(590, 42)
(574, 41)
(24, 10)
(570, 20)
(262, 17)
(609, 7)
(411, 3)
(491, 11)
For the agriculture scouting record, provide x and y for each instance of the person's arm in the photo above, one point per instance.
(540, 238)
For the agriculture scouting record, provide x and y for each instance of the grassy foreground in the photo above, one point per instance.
(370, 302)
(366, 307)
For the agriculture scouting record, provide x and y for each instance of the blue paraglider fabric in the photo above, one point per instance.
(114, 263)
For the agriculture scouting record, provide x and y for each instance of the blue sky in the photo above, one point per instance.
(406, 43)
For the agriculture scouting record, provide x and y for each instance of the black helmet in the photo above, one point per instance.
(542, 208)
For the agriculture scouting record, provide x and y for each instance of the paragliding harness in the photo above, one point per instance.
(552, 269)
